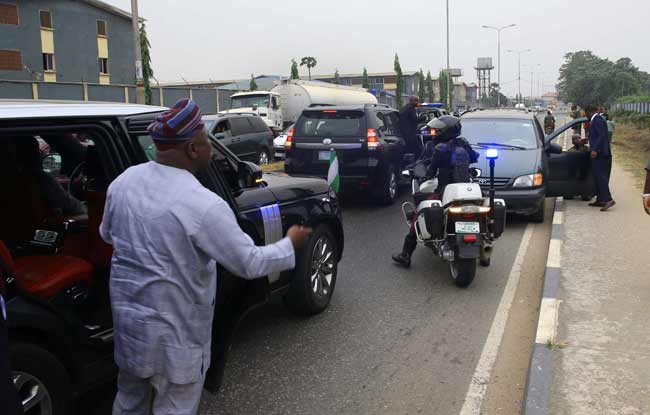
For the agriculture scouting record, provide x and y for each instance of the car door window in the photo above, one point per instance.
(240, 126)
(381, 121)
(392, 120)
(222, 130)
(258, 125)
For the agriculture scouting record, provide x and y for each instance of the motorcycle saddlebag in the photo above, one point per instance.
(499, 217)
(434, 218)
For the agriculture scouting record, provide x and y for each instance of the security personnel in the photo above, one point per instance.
(167, 232)
(601, 158)
(450, 161)
(549, 122)
(408, 121)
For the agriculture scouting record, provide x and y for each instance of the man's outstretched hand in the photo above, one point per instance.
(298, 235)
(646, 204)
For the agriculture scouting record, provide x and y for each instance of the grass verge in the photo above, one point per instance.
(271, 167)
(631, 148)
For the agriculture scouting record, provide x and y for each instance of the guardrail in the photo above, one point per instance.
(638, 107)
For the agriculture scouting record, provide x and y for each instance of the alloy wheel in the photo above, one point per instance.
(34, 396)
(264, 158)
(322, 266)
(392, 185)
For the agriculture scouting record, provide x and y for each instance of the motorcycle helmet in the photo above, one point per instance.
(445, 128)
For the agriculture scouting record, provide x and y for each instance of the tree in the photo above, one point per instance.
(399, 90)
(422, 87)
(491, 100)
(430, 91)
(365, 83)
(310, 62)
(253, 85)
(294, 70)
(444, 90)
(147, 71)
(337, 77)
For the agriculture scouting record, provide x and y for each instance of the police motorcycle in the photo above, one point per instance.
(461, 225)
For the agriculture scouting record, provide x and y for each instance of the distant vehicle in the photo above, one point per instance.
(520, 106)
(278, 142)
(367, 140)
(531, 166)
(246, 135)
(282, 105)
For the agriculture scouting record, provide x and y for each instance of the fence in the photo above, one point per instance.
(210, 100)
(638, 107)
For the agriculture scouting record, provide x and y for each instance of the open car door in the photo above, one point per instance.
(569, 172)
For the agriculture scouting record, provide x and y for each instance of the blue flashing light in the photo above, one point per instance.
(492, 154)
(432, 105)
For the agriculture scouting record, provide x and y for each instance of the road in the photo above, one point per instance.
(393, 341)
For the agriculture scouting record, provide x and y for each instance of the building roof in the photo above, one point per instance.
(13, 109)
(108, 8)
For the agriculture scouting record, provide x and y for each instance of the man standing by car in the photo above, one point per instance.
(408, 121)
(167, 231)
(575, 114)
(601, 158)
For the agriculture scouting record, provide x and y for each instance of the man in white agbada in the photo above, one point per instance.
(167, 231)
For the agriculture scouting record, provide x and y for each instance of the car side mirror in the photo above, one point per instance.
(52, 164)
(219, 136)
(554, 148)
(250, 174)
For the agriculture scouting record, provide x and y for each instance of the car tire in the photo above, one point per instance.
(387, 191)
(314, 278)
(463, 271)
(263, 157)
(41, 378)
(538, 216)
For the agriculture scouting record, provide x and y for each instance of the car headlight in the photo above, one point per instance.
(529, 180)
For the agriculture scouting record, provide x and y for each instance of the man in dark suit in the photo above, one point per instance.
(601, 158)
(408, 121)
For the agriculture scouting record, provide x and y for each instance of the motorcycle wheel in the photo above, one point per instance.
(463, 271)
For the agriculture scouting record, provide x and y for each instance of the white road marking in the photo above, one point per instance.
(554, 254)
(547, 325)
(478, 385)
(558, 218)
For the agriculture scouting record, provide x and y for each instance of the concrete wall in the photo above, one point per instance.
(75, 42)
(16, 90)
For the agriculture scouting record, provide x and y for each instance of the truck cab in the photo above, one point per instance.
(266, 104)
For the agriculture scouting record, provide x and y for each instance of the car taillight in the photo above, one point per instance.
(289, 141)
(372, 141)
(469, 210)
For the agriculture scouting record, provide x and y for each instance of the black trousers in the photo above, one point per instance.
(602, 169)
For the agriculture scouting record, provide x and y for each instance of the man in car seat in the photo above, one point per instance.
(450, 161)
(167, 231)
(56, 198)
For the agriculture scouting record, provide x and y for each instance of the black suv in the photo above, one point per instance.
(246, 135)
(368, 144)
(531, 166)
(56, 266)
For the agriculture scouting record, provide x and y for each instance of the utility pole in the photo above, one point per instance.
(519, 52)
(450, 84)
(139, 81)
(499, 29)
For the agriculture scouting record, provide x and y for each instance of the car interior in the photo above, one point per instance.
(54, 190)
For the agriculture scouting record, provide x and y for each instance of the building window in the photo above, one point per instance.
(102, 28)
(378, 81)
(48, 62)
(11, 60)
(103, 66)
(8, 14)
(46, 19)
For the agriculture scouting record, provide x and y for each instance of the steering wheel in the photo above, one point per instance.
(75, 172)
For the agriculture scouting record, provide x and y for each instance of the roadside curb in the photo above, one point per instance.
(540, 372)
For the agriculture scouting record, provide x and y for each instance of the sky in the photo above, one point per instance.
(199, 40)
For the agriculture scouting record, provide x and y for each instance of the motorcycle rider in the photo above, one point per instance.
(450, 160)
(549, 122)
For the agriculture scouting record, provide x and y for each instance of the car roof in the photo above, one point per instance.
(499, 113)
(212, 117)
(360, 107)
(13, 109)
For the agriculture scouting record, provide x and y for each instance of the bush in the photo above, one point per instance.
(628, 117)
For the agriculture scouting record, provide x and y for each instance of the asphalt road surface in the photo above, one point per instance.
(394, 341)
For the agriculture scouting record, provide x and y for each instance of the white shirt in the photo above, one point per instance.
(167, 230)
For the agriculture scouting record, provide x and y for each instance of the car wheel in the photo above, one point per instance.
(314, 278)
(263, 157)
(387, 193)
(41, 380)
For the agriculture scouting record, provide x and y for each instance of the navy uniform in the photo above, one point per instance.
(602, 162)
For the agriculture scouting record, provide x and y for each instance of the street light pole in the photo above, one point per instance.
(519, 52)
(139, 81)
(450, 84)
(499, 29)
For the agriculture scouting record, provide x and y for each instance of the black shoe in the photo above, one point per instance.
(607, 206)
(596, 204)
(402, 259)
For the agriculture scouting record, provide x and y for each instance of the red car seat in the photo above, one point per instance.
(46, 275)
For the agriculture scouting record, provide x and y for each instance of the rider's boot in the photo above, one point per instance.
(404, 257)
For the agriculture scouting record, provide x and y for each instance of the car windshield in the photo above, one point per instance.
(247, 101)
(507, 132)
(329, 123)
(208, 124)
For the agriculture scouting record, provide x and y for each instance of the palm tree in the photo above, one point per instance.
(310, 62)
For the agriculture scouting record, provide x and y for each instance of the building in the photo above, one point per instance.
(550, 99)
(379, 81)
(66, 41)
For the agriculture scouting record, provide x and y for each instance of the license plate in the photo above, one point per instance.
(467, 227)
(324, 155)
